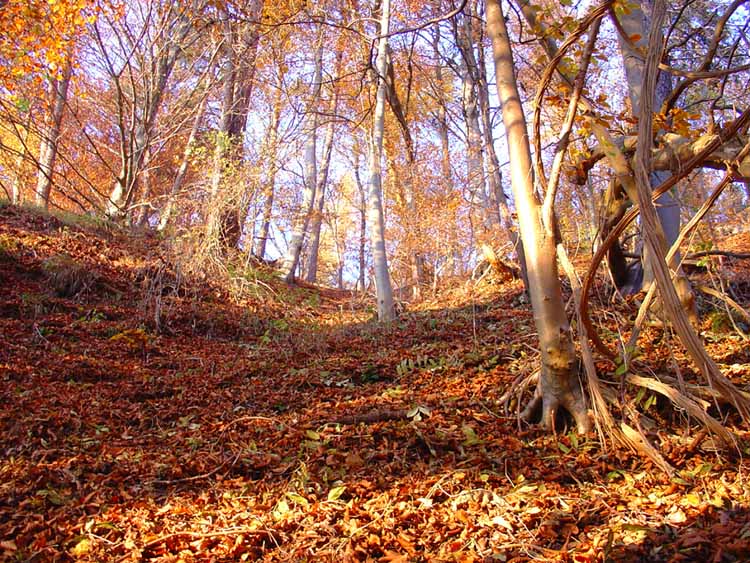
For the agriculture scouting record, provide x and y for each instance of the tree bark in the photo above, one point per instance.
(58, 95)
(385, 307)
(317, 219)
(361, 284)
(270, 176)
(493, 165)
(558, 384)
(441, 117)
(224, 221)
(470, 107)
(166, 214)
(137, 122)
(310, 183)
(635, 24)
(653, 232)
(16, 192)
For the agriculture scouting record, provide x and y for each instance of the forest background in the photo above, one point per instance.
(401, 150)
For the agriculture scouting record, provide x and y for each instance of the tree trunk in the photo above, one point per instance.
(166, 214)
(636, 25)
(441, 117)
(558, 383)
(141, 218)
(16, 192)
(362, 224)
(224, 221)
(383, 287)
(493, 165)
(270, 175)
(310, 183)
(58, 94)
(477, 191)
(145, 105)
(317, 219)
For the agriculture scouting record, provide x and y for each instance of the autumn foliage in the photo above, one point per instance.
(299, 281)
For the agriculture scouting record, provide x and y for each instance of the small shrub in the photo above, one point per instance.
(67, 277)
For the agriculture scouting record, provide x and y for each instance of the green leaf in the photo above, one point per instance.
(563, 448)
(574, 440)
(704, 469)
(622, 369)
(471, 436)
(336, 492)
(649, 402)
(298, 499)
(312, 434)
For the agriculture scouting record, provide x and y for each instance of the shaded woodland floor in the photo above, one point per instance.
(149, 417)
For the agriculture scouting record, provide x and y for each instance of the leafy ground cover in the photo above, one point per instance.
(146, 417)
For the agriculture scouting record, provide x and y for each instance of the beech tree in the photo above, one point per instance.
(240, 38)
(310, 174)
(139, 71)
(558, 382)
(375, 196)
(58, 95)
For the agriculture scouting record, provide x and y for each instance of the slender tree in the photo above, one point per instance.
(559, 386)
(241, 39)
(385, 305)
(48, 146)
(310, 176)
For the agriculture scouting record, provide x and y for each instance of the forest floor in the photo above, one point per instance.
(149, 416)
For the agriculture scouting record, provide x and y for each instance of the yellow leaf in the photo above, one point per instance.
(691, 499)
(83, 547)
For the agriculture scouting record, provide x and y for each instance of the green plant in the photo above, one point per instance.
(407, 365)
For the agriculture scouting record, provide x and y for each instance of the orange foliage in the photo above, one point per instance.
(37, 34)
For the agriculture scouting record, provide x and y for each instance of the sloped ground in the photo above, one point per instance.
(286, 426)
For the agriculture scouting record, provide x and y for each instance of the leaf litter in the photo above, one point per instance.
(287, 426)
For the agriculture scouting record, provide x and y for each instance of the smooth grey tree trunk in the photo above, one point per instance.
(376, 217)
(441, 118)
(475, 171)
(270, 175)
(317, 218)
(310, 183)
(493, 165)
(361, 284)
(635, 24)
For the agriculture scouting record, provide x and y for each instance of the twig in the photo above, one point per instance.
(728, 254)
(246, 418)
(197, 477)
(728, 300)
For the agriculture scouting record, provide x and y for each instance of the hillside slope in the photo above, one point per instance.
(148, 414)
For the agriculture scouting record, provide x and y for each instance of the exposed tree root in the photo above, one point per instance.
(552, 394)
